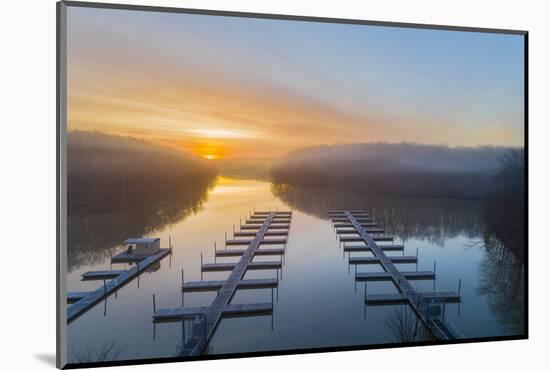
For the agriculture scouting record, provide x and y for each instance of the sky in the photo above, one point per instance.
(229, 87)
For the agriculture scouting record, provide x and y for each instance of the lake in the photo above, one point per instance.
(317, 304)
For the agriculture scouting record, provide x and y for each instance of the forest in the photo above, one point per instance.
(396, 169)
(108, 173)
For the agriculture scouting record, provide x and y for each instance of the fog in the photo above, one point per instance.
(383, 157)
(107, 173)
(405, 169)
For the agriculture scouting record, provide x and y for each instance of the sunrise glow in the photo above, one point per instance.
(246, 89)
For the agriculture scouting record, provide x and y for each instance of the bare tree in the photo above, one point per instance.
(107, 352)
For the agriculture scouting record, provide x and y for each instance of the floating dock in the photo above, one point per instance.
(366, 248)
(359, 224)
(83, 301)
(204, 320)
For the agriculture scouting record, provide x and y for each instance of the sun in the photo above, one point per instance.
(208, 150)
(211, 156)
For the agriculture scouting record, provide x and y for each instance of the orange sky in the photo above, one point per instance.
(232, 88)
(205, 117)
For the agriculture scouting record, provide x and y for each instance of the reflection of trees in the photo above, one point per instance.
(405, 326)
(433, 219)
(91, 236)
(107, 352)
(502, 281)
(108, 173)
(505, 211)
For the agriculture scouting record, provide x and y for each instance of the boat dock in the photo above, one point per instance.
(358, 224)
(80, 302)
(204, 320)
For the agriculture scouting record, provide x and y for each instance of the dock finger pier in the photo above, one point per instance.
(261, 228)
(357, 226)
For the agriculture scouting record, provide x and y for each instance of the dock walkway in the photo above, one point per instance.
(83, 301)
(206, 319)
(357, 222)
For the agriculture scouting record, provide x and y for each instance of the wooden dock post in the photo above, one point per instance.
(154, 304)
(459, 284)
(182, 290)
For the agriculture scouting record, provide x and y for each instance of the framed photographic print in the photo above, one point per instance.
(235, 184)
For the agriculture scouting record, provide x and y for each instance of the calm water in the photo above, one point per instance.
(318, 303)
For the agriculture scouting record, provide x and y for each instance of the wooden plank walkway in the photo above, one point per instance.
(382, 299)
(277, 213)
(261, 222)
(178, 314)
(125, 257)
(277, 217)
(240, 252)
(354, 232)
(377, 238)
(383, 276)
(73, 297)
(96, 296)
(366, 248)
(252, 233)
(247, 242)
(213, 285)
(229, 266)
(101, 275)
(407, 294)
(358, 217)
(376, 260)
(364, 224)
(257, 227)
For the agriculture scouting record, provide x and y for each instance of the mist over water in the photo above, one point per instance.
(385, 157)
(398, 169)
(317, 303)
(184, 143)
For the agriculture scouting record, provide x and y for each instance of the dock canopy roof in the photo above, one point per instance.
(140, 240)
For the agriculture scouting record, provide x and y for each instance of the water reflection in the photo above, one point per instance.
(435, 220)
(430, 219)
(108, 351)
(404, 326)
(317, 304)
(91, 237)
(502, 281)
